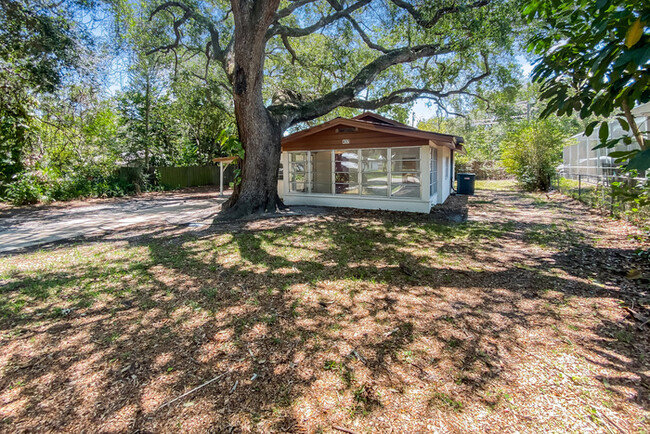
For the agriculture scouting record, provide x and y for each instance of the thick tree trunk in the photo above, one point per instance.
(259, 132)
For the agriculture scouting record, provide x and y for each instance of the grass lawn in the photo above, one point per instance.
(520, 319)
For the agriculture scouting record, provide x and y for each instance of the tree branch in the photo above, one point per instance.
(297, 32)
(348, 92)
(283, 13)
(437, 16)
(287, 45)
(217, 52)
(364, 36)
(177, 24)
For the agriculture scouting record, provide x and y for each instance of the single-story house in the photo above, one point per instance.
(368, 162)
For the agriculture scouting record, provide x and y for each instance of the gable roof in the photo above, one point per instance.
(374, 122)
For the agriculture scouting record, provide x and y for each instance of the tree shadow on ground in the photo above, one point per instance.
(337, 317)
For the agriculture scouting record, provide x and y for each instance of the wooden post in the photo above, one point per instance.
(579, 187)
(221, 178)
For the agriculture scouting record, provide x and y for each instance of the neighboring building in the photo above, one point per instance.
(368, 162)
(582, 159)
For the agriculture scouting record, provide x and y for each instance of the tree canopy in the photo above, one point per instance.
(595, 60)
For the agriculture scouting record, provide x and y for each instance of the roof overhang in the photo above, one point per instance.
(385, 126)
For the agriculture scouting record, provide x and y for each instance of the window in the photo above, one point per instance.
(433, 173)
(445, 162)
(405, 172)
(374, 172)
(321, 172)
(346, 172)
(298, 172)
(388, 172)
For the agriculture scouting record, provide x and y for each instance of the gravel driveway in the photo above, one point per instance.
(26, 227)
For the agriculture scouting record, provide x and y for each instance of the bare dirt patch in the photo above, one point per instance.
(520, 319)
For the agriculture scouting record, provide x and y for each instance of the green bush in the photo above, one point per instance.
(43, 186)
(25, 188)
(531, 151)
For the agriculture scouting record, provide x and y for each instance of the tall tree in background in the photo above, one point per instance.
(40, 43)
(288, 62)
(595, 60)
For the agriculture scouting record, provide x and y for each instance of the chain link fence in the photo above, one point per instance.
(596, 191)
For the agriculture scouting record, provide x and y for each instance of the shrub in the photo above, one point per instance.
(25, 188)
(531, 152)
(44, 186)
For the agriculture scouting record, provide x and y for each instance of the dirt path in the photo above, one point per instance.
(525, 318)
(25, 227)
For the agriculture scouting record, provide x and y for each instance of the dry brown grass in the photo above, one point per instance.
(375, 322)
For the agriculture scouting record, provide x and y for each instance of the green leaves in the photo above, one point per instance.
(601, 56)
(600, 64)
(634, 33)
(603, 133)
(640, 161)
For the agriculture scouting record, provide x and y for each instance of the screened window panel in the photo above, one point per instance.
(406, 178)
(375, 190)
(405, 154)
(347, 188)
(433, 172)
(299, 187)
(374, 160)
(298, 172)
(321, 188)
(405, 190)
(346, 161)
(341, 178)
(374, 154)
(374, 178)
(405, 185)
(321, 172)
(298, 167)
(374, 166)
(405, 166)
(295, 157)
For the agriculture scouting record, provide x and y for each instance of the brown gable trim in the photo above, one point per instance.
(440, 139)
(381, 119)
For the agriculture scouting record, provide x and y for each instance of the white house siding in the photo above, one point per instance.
(421, 204)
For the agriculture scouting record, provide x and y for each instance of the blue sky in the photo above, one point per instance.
(422, 112)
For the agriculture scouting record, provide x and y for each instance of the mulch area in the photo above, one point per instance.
(528, 317)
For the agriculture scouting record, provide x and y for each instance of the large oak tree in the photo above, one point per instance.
(288, 62)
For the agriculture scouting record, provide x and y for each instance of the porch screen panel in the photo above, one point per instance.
(405, 172)
(374, 172)
(321, 172)
(433, 173)
(346, 172)
(298, 172)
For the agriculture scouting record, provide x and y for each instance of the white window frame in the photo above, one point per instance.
(433, 172)
(358, 151)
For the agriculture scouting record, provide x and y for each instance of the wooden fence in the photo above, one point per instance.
(192, 176)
